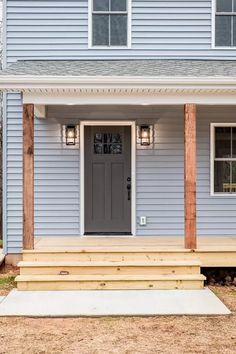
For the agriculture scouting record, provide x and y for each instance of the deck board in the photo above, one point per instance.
(219, 243)
(219, 251)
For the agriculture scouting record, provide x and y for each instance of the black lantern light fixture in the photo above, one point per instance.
(145, 135)
(70, 134)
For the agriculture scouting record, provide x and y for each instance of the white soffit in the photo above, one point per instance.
(121, 90)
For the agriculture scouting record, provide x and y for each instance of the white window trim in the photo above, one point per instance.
(90, 29)
(212, 159)
(132, 124)
(213, 30)
(213, 24)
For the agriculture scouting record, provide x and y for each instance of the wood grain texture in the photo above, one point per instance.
(109, 282)
(212, 251)
(190, 175)
(28, 176)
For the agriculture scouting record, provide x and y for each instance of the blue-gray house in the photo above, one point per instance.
(119, 145)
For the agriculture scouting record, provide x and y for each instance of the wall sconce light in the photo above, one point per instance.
(71, 134)
(145, 135)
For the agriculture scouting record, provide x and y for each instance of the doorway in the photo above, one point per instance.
(107, 180)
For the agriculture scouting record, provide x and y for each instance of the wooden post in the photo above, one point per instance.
(190, 175)
(28, 176)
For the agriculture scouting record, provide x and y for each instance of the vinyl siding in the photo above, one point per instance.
(160, 180)
(215, 215)
(160, 187)
(56, 182)
(13, 166)
(58, 29)
(56, 179)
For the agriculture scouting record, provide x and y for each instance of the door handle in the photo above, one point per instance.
(129, 190)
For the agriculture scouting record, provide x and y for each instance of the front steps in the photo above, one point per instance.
(109, 269)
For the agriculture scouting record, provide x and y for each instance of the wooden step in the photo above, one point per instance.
(108, 267)
(109, 282)
(110, 254)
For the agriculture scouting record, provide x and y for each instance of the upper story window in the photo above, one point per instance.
(109, 23)
(223, 145)
(225, 23)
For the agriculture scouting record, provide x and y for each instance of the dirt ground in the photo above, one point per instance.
(134, 335)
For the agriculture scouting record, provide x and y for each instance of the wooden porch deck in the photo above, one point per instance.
(73, 263)
(212, 251)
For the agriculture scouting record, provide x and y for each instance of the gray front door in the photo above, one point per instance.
(107, 180)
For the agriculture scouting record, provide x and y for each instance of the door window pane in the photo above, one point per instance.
(98, 138)
(234, 5)
(222, 142)
(118, 30)
(98, 148)
(222, 177)
(116, 149)
(223, 31)
(107, 143)
(101, 30)
(118, 5)
(101, 5)
(224, 6)
(116, 138)
(107, 138)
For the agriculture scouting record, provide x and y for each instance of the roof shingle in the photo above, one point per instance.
(148, 68)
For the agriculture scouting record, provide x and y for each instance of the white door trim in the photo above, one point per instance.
(132, 124)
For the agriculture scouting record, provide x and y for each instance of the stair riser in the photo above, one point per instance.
(105, 256)
(96, 270)
(111, 285)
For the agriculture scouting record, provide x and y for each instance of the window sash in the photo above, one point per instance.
(233, 6)
(232, 141)
(110, 13)
(232, 15)
(229, 188)
(232, 35)
(111, 31)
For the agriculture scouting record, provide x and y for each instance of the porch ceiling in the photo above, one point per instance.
(111, 112)
(132, 112)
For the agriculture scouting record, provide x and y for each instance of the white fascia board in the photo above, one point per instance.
(10, 82)
(124, 98)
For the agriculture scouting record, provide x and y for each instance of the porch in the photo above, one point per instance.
(172, 183)
(212, 251)
(171, 179)
(75, 263)
(153, 261)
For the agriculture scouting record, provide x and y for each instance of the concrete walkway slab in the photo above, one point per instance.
(111, 303)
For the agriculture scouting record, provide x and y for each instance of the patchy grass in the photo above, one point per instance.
(7, 283)
(7, 279)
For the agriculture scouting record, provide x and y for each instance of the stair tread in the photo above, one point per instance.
(21, 278)
(106, 249)
(175, 263)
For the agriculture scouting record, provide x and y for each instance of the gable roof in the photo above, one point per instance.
(136, 68)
